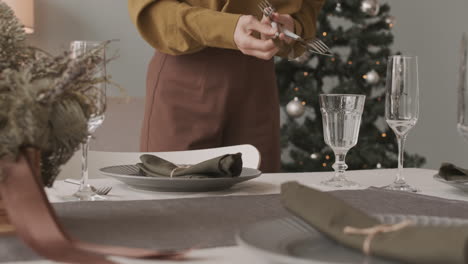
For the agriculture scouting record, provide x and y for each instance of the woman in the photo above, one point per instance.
(211, 82)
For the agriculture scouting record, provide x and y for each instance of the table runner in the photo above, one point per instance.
(207, 222)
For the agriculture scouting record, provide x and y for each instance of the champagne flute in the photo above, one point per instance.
(462, 110)
(341, 116)
(402, 107)
(97, 94)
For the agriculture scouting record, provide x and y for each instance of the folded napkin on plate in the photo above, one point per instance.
(229, 165)
(450, 172)
(410, 244)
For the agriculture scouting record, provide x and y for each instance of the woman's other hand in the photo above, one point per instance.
(263, 48)
(285, 22)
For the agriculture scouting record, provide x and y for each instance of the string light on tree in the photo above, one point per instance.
(371, 77)
(314, 156)
(370, 7)
(295, 108)
(390, 20)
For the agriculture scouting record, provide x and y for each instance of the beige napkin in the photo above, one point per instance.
(411, 244)
(229, 165)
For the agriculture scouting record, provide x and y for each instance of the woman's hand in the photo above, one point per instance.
(261, 48)
(283, 21)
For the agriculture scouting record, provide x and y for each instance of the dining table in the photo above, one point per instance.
(183, 219)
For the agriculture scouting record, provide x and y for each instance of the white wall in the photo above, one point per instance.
(430, 29)
(60, 21)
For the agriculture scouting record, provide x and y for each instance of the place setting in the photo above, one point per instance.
(157, 174)
(320, 230)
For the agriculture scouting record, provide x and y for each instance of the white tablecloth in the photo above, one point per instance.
(265, 184)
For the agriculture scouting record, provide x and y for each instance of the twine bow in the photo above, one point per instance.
(179, 167)
(372, 231)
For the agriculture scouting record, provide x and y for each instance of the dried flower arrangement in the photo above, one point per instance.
(44, 100)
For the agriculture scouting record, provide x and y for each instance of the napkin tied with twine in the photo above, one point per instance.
(410, 244)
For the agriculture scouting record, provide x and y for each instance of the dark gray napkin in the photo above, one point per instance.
(229, 165)
(450, 172)
(412, 244)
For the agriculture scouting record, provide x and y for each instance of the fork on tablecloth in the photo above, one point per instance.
(100, 191)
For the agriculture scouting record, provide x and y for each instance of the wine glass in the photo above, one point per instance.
(402, 107)
(97, 93)
(341, 116)
(462, 110)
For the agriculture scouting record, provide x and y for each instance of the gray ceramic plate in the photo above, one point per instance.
(131, 175)
(460, 184)
(290, 240)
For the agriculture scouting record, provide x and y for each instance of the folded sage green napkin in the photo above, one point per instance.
(229, 165)
(450, 172)
(411, 244)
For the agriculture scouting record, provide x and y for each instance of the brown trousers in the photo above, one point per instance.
(212, 98)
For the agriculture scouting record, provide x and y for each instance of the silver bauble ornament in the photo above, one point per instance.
(390, 20)
(295, 108)
(338, 8)
(370, 7)
(372, 77)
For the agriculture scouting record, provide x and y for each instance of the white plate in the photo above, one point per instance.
(131, 175)
(460, 184)
(290, 240)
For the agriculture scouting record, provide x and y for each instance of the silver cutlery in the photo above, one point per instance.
(316, 46)
(99, 191)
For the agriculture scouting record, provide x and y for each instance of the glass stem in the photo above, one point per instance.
(84, 186)
(340, 166)
(401, 153)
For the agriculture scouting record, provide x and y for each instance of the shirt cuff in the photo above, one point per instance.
(217, 29)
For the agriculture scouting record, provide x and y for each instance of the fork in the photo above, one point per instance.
(316, 46)
(100, 191)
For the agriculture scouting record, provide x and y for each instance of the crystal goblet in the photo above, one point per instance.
(341, 116)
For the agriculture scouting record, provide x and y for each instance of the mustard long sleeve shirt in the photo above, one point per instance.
(187, 26)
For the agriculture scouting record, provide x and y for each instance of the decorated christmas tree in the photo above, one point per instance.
(359, 32)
